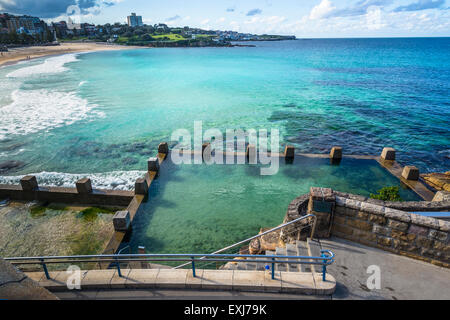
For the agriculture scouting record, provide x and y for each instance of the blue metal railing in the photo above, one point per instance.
(240, 243)
(326, 259)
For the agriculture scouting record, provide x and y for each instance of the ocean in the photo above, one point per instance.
(103, 114)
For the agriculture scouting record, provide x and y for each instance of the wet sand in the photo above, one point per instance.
(20, 54)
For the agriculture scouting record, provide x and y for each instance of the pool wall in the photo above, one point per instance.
(85, 194)
(385, 225)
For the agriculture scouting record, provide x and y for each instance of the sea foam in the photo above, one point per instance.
(37, 110)
(49, 66)
(116, 180)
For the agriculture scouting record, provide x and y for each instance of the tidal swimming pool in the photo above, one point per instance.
(203, 208)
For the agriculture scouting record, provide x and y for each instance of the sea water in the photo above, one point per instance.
(103, 115)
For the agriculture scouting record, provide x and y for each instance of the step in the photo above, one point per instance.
(271, 253)
(241, 266)
(291, 250)
(281, 266)
(302, 250)
(229, 266)
(314, 250)
(251, 265)
(259, 266)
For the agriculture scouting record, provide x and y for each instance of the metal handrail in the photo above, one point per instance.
(325, 260)
(123, 249)
(265, 233)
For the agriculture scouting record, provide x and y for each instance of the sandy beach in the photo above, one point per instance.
(20, 54)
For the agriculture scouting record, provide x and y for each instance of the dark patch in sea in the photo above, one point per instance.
(290, 105)
(130, 161)
(11, 165)
(135, 147)
(12, 147)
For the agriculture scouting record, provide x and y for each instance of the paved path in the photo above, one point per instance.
(401, 277)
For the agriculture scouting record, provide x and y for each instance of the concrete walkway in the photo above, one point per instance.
(401, 277)
(223, 280)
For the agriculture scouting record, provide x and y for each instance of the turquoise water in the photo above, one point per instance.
(103, 115)
(206, 208)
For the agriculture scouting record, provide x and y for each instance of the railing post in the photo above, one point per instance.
(47, 275)
(119, 272)
(324, 267)
(273, 269)
(193, 267)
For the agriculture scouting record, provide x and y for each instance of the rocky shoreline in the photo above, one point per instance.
(438, 181)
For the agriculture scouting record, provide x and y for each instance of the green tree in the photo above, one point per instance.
(388, 194)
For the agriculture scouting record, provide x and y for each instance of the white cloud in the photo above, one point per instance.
(321, 10)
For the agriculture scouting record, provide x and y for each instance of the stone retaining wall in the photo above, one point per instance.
(384, 225)
(412, 235)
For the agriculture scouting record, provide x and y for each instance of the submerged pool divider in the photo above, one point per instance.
(84, 194)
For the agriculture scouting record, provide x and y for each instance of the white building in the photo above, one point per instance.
(134, 20)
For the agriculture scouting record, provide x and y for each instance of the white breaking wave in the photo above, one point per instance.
(36, 110)
(49, 66)
(117, 180)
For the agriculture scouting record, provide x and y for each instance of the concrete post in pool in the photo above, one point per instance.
(289, 154)
(251, 154)
(29, 183)
(84, 186)
(336, 153)
(122, 221)
(153, 165)
(388, 154)
(322, 202)
(163, 148)
(141, 187)
(411, 173)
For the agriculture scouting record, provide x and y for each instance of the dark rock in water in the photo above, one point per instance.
(290, 105)
(9, 165)
(130, 161)
(12, 147)
(135, 147)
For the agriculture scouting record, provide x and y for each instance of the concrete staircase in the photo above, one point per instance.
(311, 248)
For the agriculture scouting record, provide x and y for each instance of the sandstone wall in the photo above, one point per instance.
(412, 235)
(384, 225)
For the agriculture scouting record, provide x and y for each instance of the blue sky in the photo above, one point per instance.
(303, 18)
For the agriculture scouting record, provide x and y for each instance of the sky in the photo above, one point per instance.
(303, 18)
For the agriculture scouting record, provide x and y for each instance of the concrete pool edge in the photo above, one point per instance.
(133, 200)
